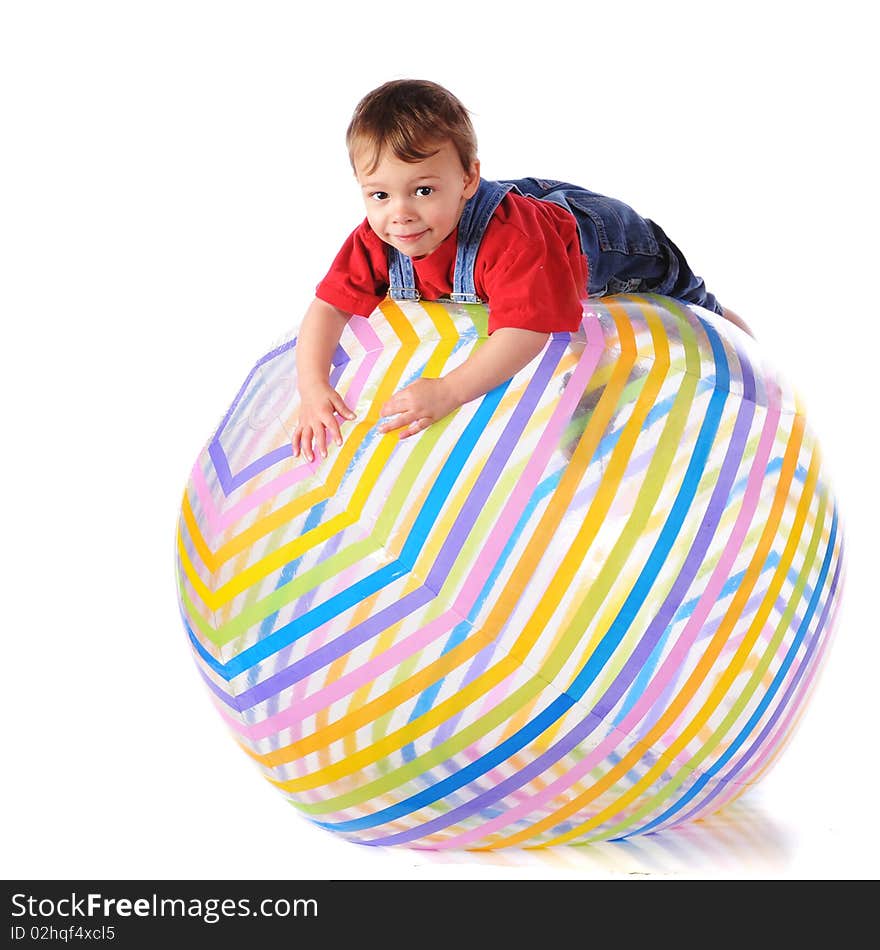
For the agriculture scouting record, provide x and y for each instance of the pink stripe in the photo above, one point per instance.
(520, 496)
(486, 561)
(499, 693)
(774, 744)
(197, 479)
(496, 776)
(356, 678)
(730, 647)
(315, 640)
(676, 657)
(368, 338)
(218, 523)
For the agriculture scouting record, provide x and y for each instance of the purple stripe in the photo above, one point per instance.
(303, 604)
(477, 668)
(661, 704)
(596, 717)
(220, 693)
(228, 481)
(324, 656)
(693, 562)
(781, 706)
(261, 362)
(494, 466)
(396, 612)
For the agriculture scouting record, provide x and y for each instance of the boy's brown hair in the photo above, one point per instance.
(412, 118)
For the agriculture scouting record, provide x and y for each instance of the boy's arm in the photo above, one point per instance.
(502, 356)
(316, 343)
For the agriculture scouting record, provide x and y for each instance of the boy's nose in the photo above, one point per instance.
(403, 212)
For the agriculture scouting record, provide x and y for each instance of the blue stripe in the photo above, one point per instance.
(778, 679)
(374, 582)
(606, 646)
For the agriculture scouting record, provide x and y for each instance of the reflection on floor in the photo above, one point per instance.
(739, 839)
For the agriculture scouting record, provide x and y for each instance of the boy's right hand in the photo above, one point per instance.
(319, 406)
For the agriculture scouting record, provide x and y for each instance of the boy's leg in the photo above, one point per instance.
(627, 253)
(736, 319)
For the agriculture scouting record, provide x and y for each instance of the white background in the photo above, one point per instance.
(174, 184)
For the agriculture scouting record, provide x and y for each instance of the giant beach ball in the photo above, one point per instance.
(590, 604)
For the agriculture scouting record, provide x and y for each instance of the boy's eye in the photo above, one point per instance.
(379, 195)
(423, 191)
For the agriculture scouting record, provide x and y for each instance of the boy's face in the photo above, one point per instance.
(415, 206)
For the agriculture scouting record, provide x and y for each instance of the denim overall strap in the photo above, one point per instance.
(474, 218)
(401, 277)
(471, 228)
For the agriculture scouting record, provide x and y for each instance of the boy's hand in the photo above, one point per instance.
(319, 406)
(418, 405)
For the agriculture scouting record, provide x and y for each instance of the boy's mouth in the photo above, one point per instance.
(410, 237)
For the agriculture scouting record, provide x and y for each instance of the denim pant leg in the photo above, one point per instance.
(626, 253)
(678, 280)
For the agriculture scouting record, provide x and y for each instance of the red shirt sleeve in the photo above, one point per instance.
(358, 278)
(531, 267)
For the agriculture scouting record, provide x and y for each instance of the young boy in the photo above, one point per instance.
(531, 249)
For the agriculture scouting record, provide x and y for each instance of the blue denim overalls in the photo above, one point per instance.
(625, 252)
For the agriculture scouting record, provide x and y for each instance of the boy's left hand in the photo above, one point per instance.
(418, 405)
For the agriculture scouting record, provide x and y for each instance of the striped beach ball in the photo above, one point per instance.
(588, 605)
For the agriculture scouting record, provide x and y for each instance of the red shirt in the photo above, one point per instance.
(529, 269)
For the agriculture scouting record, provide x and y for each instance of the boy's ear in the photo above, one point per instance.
(472, 179)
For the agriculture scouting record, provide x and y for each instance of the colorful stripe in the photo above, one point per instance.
(588, 605)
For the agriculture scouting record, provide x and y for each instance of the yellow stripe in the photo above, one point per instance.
(694, 681)
(507, 600)
(404, 330)
(710, 738)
